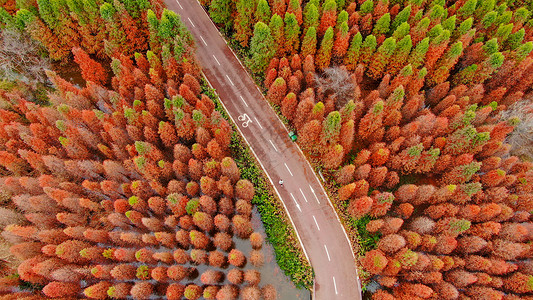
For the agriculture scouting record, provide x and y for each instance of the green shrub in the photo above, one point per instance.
(367, 241)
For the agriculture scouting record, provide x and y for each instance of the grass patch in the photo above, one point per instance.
(367, 241)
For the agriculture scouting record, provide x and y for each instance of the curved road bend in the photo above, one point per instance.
(322, 235)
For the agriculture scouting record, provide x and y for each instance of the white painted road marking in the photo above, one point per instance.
(216, 59)
(230, 80)
(273, 145)
(179, 4)
(316, 224)
(203, 40)
(303, 195)
(191, 22)
(245, 118)
(335, 284)
(258, 123)
(244, 101)
(327, 252)
(288, 169)
(313, 191)
(297, 205)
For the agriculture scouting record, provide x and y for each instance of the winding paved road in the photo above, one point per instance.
(318, 228)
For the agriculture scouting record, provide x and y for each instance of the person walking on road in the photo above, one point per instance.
(281, 182)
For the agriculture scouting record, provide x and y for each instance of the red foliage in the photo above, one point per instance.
(288, 105)
(359, 207)
(374, 261)
(98, 290)
(236, 258)
(345, 175)
(277, 91)
(90, 69)
(391, 243)
(328, 19)
(61, 289)
(175, 291)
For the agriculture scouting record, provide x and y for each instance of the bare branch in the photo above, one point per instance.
(20, 59)
(336, 80)
(521, 139)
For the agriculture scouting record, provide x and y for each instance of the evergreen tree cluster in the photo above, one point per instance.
(100, 28)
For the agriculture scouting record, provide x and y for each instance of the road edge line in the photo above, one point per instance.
(266, 173)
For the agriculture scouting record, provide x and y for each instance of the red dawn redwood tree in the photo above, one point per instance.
(243, 21)
(295, 8)
(333, 157)
(279, 7)
(288, 105)
(329, 16)
(277, 91)
(309, 135)
(236, 258)
(90, 69)
(342, 41)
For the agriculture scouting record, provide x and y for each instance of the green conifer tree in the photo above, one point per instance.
(515, 40)
(324, 52)
(311, 16)
(309, 42)
(467, 9)
(465, 26)
(401, 31)
(366, 7)
(263, 12)
(277, 29)
(220, 12)
(381, 58)
(341, 18)
(292, 34)
(449, 24)
(262, 48)
(331, 128)
(367, 49)
(382, 25)
(400, 56)
(352, 56)
(401, 17)
(417, 56)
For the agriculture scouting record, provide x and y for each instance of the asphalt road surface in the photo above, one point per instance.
(317, 225)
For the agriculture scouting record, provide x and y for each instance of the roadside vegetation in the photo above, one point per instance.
(280, 233)
(418, 113)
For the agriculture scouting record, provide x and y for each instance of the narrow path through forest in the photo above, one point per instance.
(316, 222)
